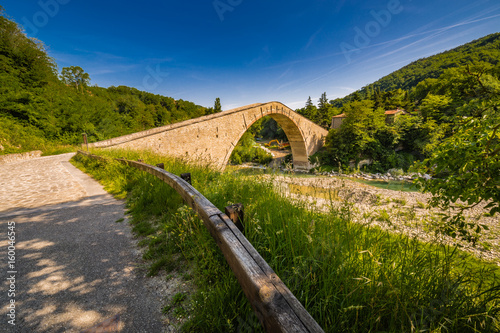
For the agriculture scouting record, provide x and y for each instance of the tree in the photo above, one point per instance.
(417, 136)
(465, 167)
(310, 111)
(378, 98)
(323, 102)
(272, 130)
(356, 96)
(309, 102)
(406, 103)
(40, 107)
(363, 120)
(76, 76)
(355, 139)
(325, 112)
(217, 106)
(23, 61)
(434, 107)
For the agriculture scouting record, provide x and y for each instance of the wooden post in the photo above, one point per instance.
(186, 177)
(161, 166)
(85, 140)
(236, 214)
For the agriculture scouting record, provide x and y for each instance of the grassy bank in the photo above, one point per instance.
(349, 277)
(393, 185)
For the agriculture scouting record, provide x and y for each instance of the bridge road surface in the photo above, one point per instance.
(75, 267)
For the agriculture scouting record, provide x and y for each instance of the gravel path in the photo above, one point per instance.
(75, 267)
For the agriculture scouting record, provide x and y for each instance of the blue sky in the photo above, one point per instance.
(249, 51)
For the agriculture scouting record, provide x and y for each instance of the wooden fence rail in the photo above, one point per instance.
(276, 307)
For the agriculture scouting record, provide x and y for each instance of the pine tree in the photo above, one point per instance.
(378, 98)
(309, 102)
(310, 110)
(356, 96)
(325, 111)
(323, 102)
(217, 106)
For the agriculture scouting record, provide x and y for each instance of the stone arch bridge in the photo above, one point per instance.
(211, 139)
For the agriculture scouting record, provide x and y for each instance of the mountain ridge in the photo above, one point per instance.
(485, 49)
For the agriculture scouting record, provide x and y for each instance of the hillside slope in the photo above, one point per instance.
(483, 50)
(38, 109)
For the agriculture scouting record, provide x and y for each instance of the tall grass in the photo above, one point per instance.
(395, 185)
(351, 278)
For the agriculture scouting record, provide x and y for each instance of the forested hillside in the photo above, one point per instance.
(438, 93)
(483, 50)
(40, 108)
(451, 127)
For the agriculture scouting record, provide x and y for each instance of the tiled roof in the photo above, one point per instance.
(394, 111)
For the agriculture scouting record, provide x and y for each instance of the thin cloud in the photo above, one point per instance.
(264, 54)
(231, 106)
(285, 73)
(112, 69)
(346, 88)
(312, 38)
(434, 33)
(198, 77)
(159, 60)
(422, 31)
(296, 105)
(109, 56)
(339, 6)
(285, 85)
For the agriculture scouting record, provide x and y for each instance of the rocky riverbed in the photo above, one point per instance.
(395, 211)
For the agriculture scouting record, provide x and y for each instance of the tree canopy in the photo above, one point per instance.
(483, 50)
(38, 106)
(466, 164)
(76, 76)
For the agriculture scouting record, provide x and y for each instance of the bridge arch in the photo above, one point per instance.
(291, 129)
(212, 138)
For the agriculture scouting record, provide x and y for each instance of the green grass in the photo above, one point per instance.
(350, 278)
(394, 185)
(16, 138)
(244, 171)
(56, 149)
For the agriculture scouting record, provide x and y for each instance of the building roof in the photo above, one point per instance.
(342, 115)
(390, 112)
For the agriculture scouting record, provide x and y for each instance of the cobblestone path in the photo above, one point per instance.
(75, 266)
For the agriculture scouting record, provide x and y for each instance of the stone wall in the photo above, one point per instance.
(211, 139)
(4, 159)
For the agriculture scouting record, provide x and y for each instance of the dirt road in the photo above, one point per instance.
(73, 266)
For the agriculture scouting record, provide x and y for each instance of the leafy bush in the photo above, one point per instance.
(396, 172)
(247, 151)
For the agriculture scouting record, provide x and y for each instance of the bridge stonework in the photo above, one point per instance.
(211, 139)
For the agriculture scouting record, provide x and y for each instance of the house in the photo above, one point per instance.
(391, 115)
(337, 120)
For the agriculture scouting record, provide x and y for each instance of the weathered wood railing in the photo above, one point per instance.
(276, 307)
